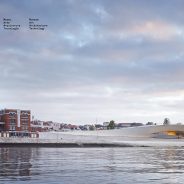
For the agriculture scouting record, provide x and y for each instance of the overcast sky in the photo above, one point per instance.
(97, 60)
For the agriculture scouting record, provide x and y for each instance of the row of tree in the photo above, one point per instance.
(112, 125)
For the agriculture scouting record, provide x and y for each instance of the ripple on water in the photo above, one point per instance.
(92, 165)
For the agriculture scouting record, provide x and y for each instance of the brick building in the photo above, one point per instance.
(15, 120)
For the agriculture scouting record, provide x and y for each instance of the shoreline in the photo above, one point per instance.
(67, 145)
(36, 142)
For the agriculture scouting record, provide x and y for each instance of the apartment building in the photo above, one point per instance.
(15, 120)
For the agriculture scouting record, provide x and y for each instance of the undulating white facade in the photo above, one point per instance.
(153, 131)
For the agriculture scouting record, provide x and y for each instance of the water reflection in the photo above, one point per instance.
(161, 165)
(171, 160)
(15, 162)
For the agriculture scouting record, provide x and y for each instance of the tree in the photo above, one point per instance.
(92, 127)
(166, 121)
(111, 125)
(149, 123)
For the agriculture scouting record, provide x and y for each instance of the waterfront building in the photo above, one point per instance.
(15, 120)
(99, 127)
(36, 126)
(44, 126)
(68, 127)
(56, 126)
(41, 126)
(145, 132)
(1, 124)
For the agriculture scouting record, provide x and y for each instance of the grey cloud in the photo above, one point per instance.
(92, 60)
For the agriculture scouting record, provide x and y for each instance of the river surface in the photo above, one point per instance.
(92, 165)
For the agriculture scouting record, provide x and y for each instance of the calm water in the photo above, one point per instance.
(91, 165)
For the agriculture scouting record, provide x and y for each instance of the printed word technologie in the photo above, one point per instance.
(33, 24)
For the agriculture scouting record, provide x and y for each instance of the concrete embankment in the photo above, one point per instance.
(37, 142)
(63, 145)
(29, 142)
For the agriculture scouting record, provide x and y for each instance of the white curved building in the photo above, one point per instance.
(153, 131)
